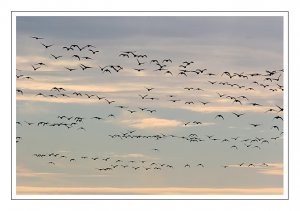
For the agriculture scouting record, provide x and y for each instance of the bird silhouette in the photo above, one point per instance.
(149, 89)
(167, 60)
(238, 115)
(140, 63)
(83, 67)
(94, 52)
(20, 91)
(255, 125)
(124, 55)
(221, 95)
(143, 96)
(204, 103)
(278, 117)
(46, 46)
(280, 109)
(275, 127)
(169, 72)
(67, 48)
(89, 96)
(234, 146)
(35, 68)
(56, 57)
(76, 56)
(255, 104)
(174, 101)
(110, 102)
(86, 57)
(212, 82)
(219, 116)
(70, 69)
(37, 38)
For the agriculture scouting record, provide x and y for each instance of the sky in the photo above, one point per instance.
(237, 157)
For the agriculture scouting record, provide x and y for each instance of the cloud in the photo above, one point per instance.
(22, 171)
(47, 86)
(151, 122)
(271, 169)
(211, 109)
(147, 191)
(134, 155)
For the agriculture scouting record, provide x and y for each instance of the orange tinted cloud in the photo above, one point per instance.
(22, 171)
(147, 191)
(270, 169)
(152, 122)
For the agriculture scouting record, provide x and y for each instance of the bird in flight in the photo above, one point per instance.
(234, 146)
(93, 51)
(278, 117)
(76, 56)
(56, 57)
(70, 69)
(83, 67)
(219, 116)
(280, 109)
(221, 95)
(167, 60)
(138, 69)
(140, 63)
(143, 97)
(68, 48)
(275, 127)
(149, 89)
(168, 72)
(238, 115)
(20, 91)
(255, 104)
(124, 55)
(110, 102)
(89, 96)
(35, 68)
(255, 125)
(204, 103)
(37, 38)
(46, 46)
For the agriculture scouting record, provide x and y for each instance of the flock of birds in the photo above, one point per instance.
(112, 163)
(269, 81)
